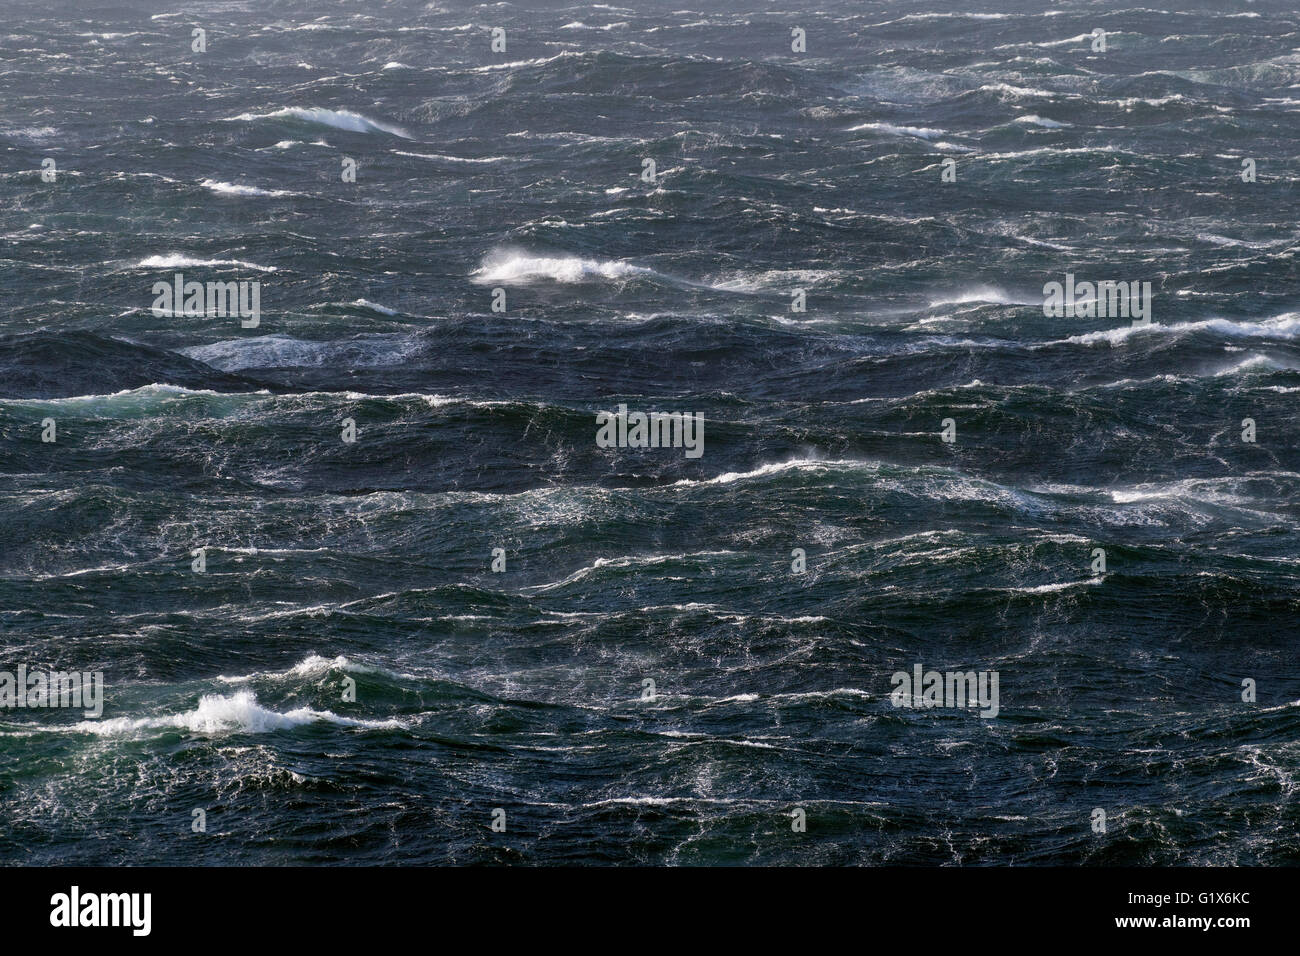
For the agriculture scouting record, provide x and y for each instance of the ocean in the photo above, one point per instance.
(314, 312)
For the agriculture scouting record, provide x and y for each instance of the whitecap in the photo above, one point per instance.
(1285, 326)
(920, 132)
(517, 268)
(1034, 120)
(237, 713)
(442, 157)
(236, 189)
(339, 119)
(178, 260)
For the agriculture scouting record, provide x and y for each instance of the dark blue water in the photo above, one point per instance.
(523, 690)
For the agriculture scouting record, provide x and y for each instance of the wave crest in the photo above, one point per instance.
(338, 119)
(520, 268)
(236, 713)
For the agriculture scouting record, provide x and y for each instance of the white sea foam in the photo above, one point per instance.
(579, 25)
(339, 119)
(1220, 492)
(1254, 363)
(519, 268)
(283, 351)
(978, 295)
(515, 64)
(178, 260)
(776, 278)
(628, 561)
(313, 666)
(157, 389)
(1033, 120)
(1052, 150)
(1058, 586)
(236, 189)
(375, 307)
(1018, 92)
(1068, 41)
(795, 464)
(959, 15)
(237, 713)
(262, 351)
(1285, 327)
(443, 158)
(920, 132)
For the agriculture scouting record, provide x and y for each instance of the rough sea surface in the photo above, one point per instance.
(371, 561)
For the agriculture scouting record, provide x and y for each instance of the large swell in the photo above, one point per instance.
(368, 565)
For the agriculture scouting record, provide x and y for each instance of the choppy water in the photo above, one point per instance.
(522, 690)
